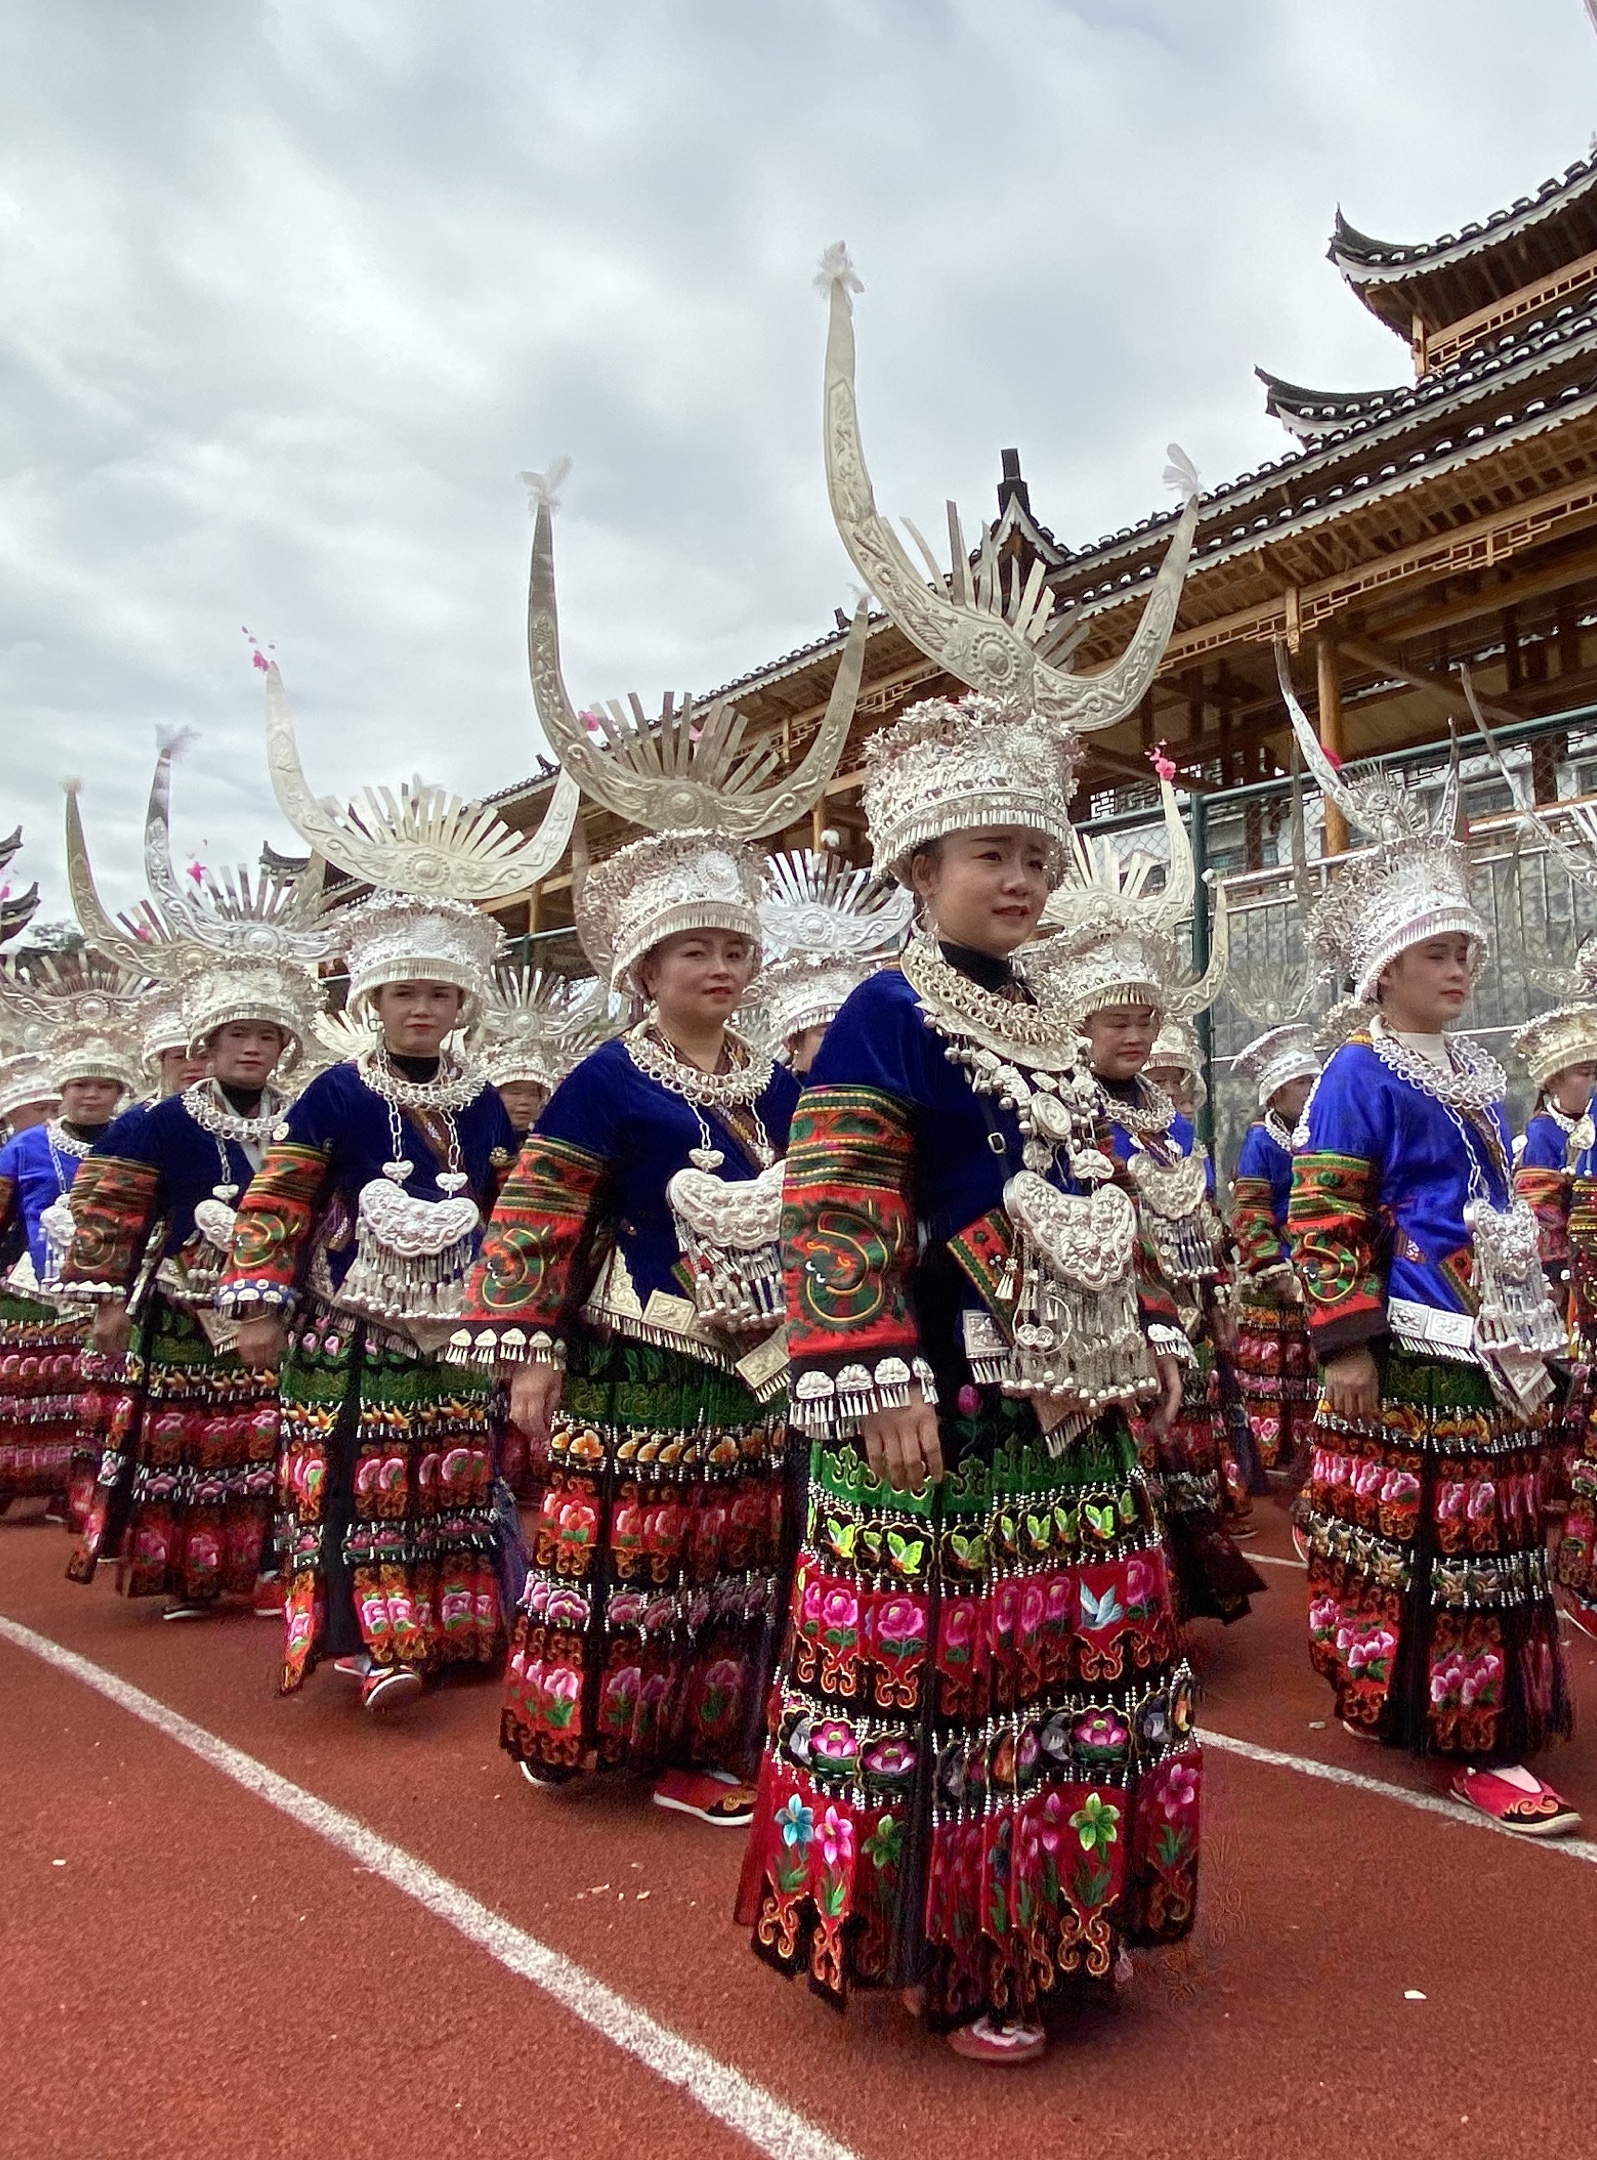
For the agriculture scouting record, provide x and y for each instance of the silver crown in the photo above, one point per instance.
(1413, 884)
(539, 1025)
(980, 763)
(1116, 939)
(1278, 1055)
(26, 1078)
(232, 987)
(660, 886)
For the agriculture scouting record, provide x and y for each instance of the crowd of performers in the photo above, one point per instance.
(814, 1356)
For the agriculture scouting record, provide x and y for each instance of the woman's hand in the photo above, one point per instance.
(113, 1330)
(535, 1392)
(1168, 1407)
(904, 1445)
(1353, 1387)
(262, 1341)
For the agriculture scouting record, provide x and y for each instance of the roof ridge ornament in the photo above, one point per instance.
(991, 631)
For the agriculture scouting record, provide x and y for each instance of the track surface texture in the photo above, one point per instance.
(419, 1954)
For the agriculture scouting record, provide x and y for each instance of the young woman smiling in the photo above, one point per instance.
(621, 1269)
(1430, 1605)
(981, 1774)
(349, 1256)
(182, 1498)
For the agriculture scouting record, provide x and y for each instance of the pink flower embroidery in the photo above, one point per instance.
(835, 1834)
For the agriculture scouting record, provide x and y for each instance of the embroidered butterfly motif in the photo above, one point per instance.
(1100, 1612)
(906, 1554)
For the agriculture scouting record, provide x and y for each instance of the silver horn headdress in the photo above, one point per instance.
(1413, 884)
(17, 910)
(686, 777)
(539, 1025)
(222, 946)
(433, 860)
(1115, 941)
(825, 928)
(989, 630)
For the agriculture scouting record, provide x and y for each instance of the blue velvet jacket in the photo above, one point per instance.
(154, 1165)
(33, 1174)
(894, 1225)
(591, 1181)
(301, 1206)
(1378, 1196)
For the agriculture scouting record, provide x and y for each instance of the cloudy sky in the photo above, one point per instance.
(291, 289)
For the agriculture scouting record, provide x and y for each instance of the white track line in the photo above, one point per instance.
(731, 2098)
(1269, 1559)
(1428, 1803)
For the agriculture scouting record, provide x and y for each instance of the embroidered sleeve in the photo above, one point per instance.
(1260, 1245)
(848, 1242)
(534, 1266)
(1332, 1228)
(1547, 1193)
(271, 1237)
(113, 1203)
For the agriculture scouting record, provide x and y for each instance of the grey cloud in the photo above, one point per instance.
(289, 294)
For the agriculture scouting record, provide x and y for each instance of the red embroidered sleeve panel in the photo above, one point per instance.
(1547, 1193)
(273, 1233)
(114, 1202)
(1332, 1227)
(535, 1266)
(848, 1244)
(1260, 1245)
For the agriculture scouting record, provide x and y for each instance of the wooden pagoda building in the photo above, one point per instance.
(1451, 517)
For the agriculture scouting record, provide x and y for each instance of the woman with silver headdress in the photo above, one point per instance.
(534, 1030)
(183, 1496)
(81, 1010)
(981, 1774)
(630, 1281)
(1274, 1357)
(353, 1242)
(1430, 1604)
(1114, 964)
(824, 927)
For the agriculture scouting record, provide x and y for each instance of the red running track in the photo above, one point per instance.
(205, 1975)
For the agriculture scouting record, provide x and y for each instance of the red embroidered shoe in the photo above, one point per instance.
(1517, 1799)
(268, 1600)
(358, 1667)
(711, 1795)
(180, 1608)
(384, 1692)
(1001, 2045)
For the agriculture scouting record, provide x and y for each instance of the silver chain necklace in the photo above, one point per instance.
(213, 1113)
(1475, 1083)
(455, 1084)
(1035, 1037)
(1278, 1129)
(737, 1089)
(1150, 1118)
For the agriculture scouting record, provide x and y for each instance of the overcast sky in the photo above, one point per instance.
(290, 292)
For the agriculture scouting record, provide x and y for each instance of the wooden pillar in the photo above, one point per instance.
(1331, 736)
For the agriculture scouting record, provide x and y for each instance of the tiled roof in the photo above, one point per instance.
(1364, 260)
